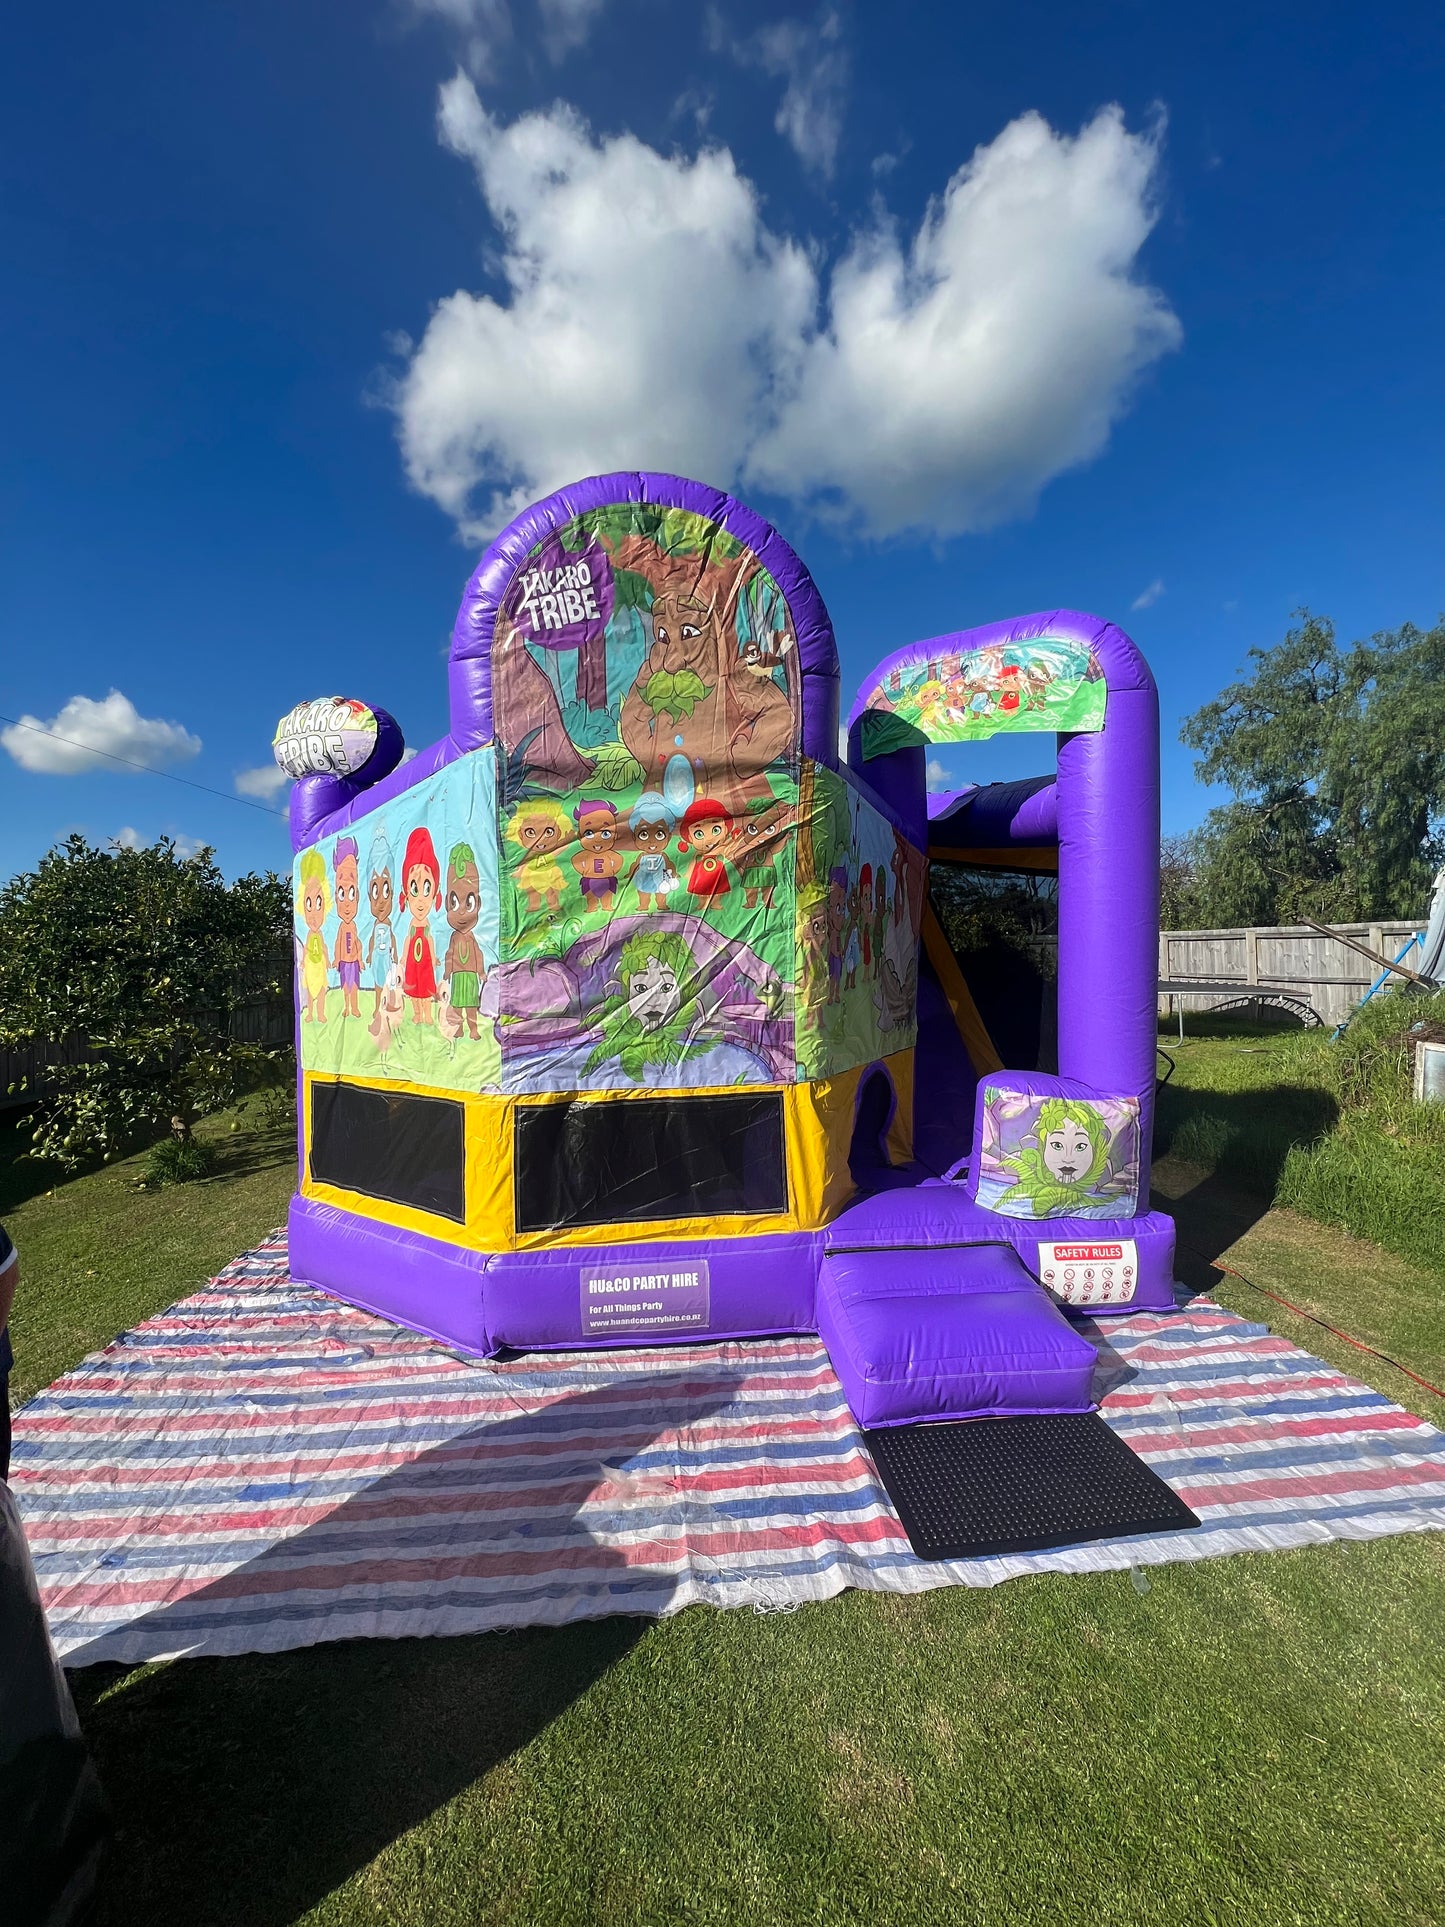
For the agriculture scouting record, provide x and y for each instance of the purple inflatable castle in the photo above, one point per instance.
(624, 1015)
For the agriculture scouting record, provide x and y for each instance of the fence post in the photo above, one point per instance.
(1251, 956)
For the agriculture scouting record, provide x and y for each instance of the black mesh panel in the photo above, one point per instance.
(627, 1161)
(388, 1144)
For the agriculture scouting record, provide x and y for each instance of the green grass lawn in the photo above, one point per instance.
(1327, 1128)
(1259, 1739)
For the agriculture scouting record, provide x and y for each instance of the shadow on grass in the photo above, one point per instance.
(248, 1788)
(1243, 1136)
(1239, 1141)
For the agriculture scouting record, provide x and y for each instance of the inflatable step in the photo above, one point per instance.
(937, 1332)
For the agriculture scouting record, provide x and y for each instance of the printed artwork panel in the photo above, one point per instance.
(1058, 1157)
(397, 937)
(859, 912)
(647, 698)
(952, 696)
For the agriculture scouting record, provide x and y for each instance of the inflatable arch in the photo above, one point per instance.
(624, 1017)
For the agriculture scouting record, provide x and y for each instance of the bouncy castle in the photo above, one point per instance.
(624, 1016)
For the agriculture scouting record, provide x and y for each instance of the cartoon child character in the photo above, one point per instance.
(539, 830)
(1058, 1173)
(863, 915)
(707, 829)
(759, 834)
(599, 859)
(652, 823)
(854, 948)
(811, 937)
(837, 930)
(381, 945)
(462, 966)
(420, 879)
(348, 943)
(314, 902)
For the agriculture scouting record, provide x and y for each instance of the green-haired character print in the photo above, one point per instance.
(462, 966)
(1057, 1173)
(655, 1017)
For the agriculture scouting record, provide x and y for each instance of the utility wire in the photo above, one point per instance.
(226, 796)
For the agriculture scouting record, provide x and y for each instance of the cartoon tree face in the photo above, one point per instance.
(655, 1019)
(654, 994)
(1067, 1151)
(1069, 1155)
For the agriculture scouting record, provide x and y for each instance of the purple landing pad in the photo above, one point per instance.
(262, 1468)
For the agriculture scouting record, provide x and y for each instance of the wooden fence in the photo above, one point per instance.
(1292, 959)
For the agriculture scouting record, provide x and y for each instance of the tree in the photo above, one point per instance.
(1337, 762)
(146, 959)
(1179, 882)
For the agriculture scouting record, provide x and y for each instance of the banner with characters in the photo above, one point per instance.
(859, 910)
(397, 937)
(937, 694)
(647, 701)
(1058, 1157)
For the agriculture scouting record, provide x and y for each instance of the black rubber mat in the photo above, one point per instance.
(967, 1489)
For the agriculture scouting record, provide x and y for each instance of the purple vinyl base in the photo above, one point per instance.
(928, 1304)
(948, 1334)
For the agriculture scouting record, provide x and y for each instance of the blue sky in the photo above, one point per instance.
(240, 435)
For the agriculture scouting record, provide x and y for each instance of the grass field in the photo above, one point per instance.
(1329, 1129)
(1254, 1740)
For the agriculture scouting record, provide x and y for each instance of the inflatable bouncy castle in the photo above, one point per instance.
(624, 1016)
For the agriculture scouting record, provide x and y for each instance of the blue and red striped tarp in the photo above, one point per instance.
(262, 1467)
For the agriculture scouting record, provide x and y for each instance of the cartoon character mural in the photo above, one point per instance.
(348, 943)
(1044, 1156)
(313, 900)
(463, 969)
(652, 823)
(426, 1021)
(420, 881)
(647, 705)
(1038, 683)
(381, 960)
(858, 964)
(706, 832)
(539, 831)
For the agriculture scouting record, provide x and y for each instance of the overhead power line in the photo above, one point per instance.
(130, 762)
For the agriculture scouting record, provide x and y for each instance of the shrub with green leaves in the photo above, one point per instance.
(146, 959)
(180, 1160)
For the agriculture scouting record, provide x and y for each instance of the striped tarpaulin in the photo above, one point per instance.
(262, 1468)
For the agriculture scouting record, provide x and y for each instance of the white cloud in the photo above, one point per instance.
(407, 755)
(264, 783)
(484, 27)
(1146, 598)
(651, 318)
(956, 376)
(812, 59)
(936, 775)
(566, 24)
(130, 839)
(649, 308)
(113, 727)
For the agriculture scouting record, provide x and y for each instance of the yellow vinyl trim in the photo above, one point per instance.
(971, 1027)
(817, 1131)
